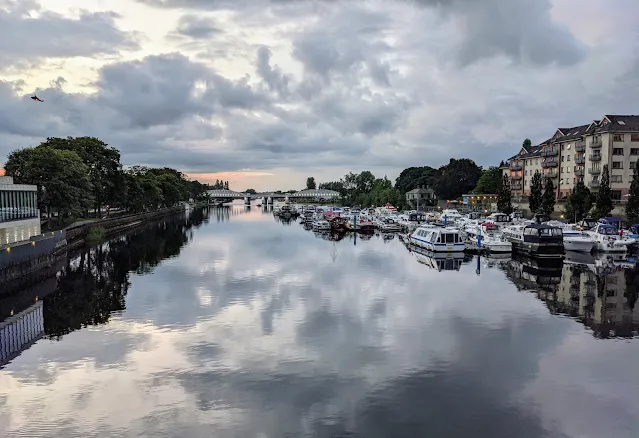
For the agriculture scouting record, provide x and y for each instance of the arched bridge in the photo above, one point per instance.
(309, 193)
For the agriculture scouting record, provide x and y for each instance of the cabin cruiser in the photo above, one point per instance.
(500, 219)
(586, 224)
(486, 236)
(607, 238)
(437, 239)
(574, 240)
(388, 225)
(321, 225)
(449, 216)
(537, 240)
(364, 223)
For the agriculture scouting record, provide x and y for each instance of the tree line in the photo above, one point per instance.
(76, 176)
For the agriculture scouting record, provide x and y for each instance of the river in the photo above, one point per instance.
(230, 323)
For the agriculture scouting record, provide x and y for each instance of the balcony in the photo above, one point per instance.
(516, 177)
(581, 159)
(579, 171)
(550, 152)
(549, 163)
(594, 171)
(595, 157)
(515, 167)
(517, 186)
(596, 143)
(594, 184)
(550, 174)
(580, 146)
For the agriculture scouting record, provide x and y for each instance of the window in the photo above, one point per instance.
(616, 178)
(634, 151)
(561, 182)
(617, 151)
(526, 173)
(562, 158)
(634, 137)
(632, 164)
(617, 137)
(568, 146)
(617, 164)
(567, 157)
(537, 161)
(563, 147)
(568, 169)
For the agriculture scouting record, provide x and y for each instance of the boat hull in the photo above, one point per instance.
(578, 245)
(438, 247)
(538, 250)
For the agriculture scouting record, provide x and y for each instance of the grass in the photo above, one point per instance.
(96, 235)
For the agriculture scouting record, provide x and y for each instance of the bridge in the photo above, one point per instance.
(269, 196)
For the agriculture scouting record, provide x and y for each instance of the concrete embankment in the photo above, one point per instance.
(28, 262)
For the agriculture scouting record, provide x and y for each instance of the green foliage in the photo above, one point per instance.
(365, 190)
(310, 183)
(456, 178)
(603, 200)
(548, 199)
(504, 204)
(250, 191)
(527, 143)
(578, 203)
(415, 177)
(534, 199)
(632, 208)
(220, 185)
(96, 235)
(490, 181)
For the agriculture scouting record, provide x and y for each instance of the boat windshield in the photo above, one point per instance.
(547, 232)
(608, 231)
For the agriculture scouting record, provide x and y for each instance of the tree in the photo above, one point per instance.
(504, 204)
(490, 181)
(632, 207)
(456, 178)
(548, 199)
(61, 177)
(527, 143)
(578, 203)
(415, 177)
(534, 199)
(603, 202)
(310, 183)
(250, 191)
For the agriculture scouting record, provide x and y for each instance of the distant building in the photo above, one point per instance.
(19, 213)
(421, 196)
(579, 154)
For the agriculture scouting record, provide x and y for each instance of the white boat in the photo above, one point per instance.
(537, 240)
(449, 216)
(491, 239)
(437, 239)
(574, 239)
(607, 238)
(388, 225)
(500, 219)
(321, 225)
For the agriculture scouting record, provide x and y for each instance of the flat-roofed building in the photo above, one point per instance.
(19, 213)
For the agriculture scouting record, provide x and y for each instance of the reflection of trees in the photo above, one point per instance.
(94, 284)
(632, 286)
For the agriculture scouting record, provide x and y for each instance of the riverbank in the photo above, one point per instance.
(28, 262)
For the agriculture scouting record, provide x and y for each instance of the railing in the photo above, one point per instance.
(579, 171)
(596, 143)
(515, 167)
(580, 159)
(595, 157)
(594, 171)
(549, 152)
(549, 174)
(549, 163)
(516, 187)
(516, 177)
(594, 184)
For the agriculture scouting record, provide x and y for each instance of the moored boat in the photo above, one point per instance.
(537, 240)
(437, 239)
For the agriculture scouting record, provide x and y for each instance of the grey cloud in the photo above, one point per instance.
(274, 78)
(197, 27)
(51, 35)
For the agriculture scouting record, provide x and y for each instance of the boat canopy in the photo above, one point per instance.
(608, 230)
(542, 233)
(610, 221)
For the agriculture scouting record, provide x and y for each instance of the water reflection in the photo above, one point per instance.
(229, 323)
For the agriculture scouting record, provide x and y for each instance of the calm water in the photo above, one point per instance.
(232, 324)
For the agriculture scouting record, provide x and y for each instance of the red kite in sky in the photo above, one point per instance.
(37, 98)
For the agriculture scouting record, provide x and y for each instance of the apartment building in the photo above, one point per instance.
(579, 154)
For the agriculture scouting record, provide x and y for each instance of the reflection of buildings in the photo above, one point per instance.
(599, 292)
(19, 332)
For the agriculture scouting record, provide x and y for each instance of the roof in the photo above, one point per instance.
(613, 123)
(539, 226)
(416, 191)
(572, 133)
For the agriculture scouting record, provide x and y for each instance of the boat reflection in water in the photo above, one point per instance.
(598, 291)
(451, 261)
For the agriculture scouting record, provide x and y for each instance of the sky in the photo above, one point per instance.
(264, 93)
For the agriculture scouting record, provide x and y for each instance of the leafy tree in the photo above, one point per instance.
(490, 181)
(632, 207)
(603, 202)
(527, 143)
(250, 191)
(310, 183)
(504, 204)
(457, 177)
(61, 177)
(548, 199)
(534, 199)
(415, 177)
(578, 203)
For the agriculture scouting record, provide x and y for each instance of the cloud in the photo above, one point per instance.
(294, 86)
(28, 33)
